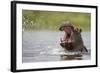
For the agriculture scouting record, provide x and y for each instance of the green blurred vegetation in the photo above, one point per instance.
(50, 20)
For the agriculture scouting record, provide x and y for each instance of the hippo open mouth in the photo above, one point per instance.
(67, 43)
(68, 35)
(72, 40)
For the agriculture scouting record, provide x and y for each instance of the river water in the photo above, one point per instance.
(41, 46)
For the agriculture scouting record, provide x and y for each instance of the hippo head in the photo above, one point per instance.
(72, 40)
(67, 27)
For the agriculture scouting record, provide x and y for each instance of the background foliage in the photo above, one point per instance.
(50, 20)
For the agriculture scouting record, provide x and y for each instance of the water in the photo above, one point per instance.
(40, 46)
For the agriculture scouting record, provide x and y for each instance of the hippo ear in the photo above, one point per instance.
(80, 30)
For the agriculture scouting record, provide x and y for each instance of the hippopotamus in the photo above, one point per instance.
(72, 40)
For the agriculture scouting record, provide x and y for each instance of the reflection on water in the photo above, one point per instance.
(71, 57)
(44, 46)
